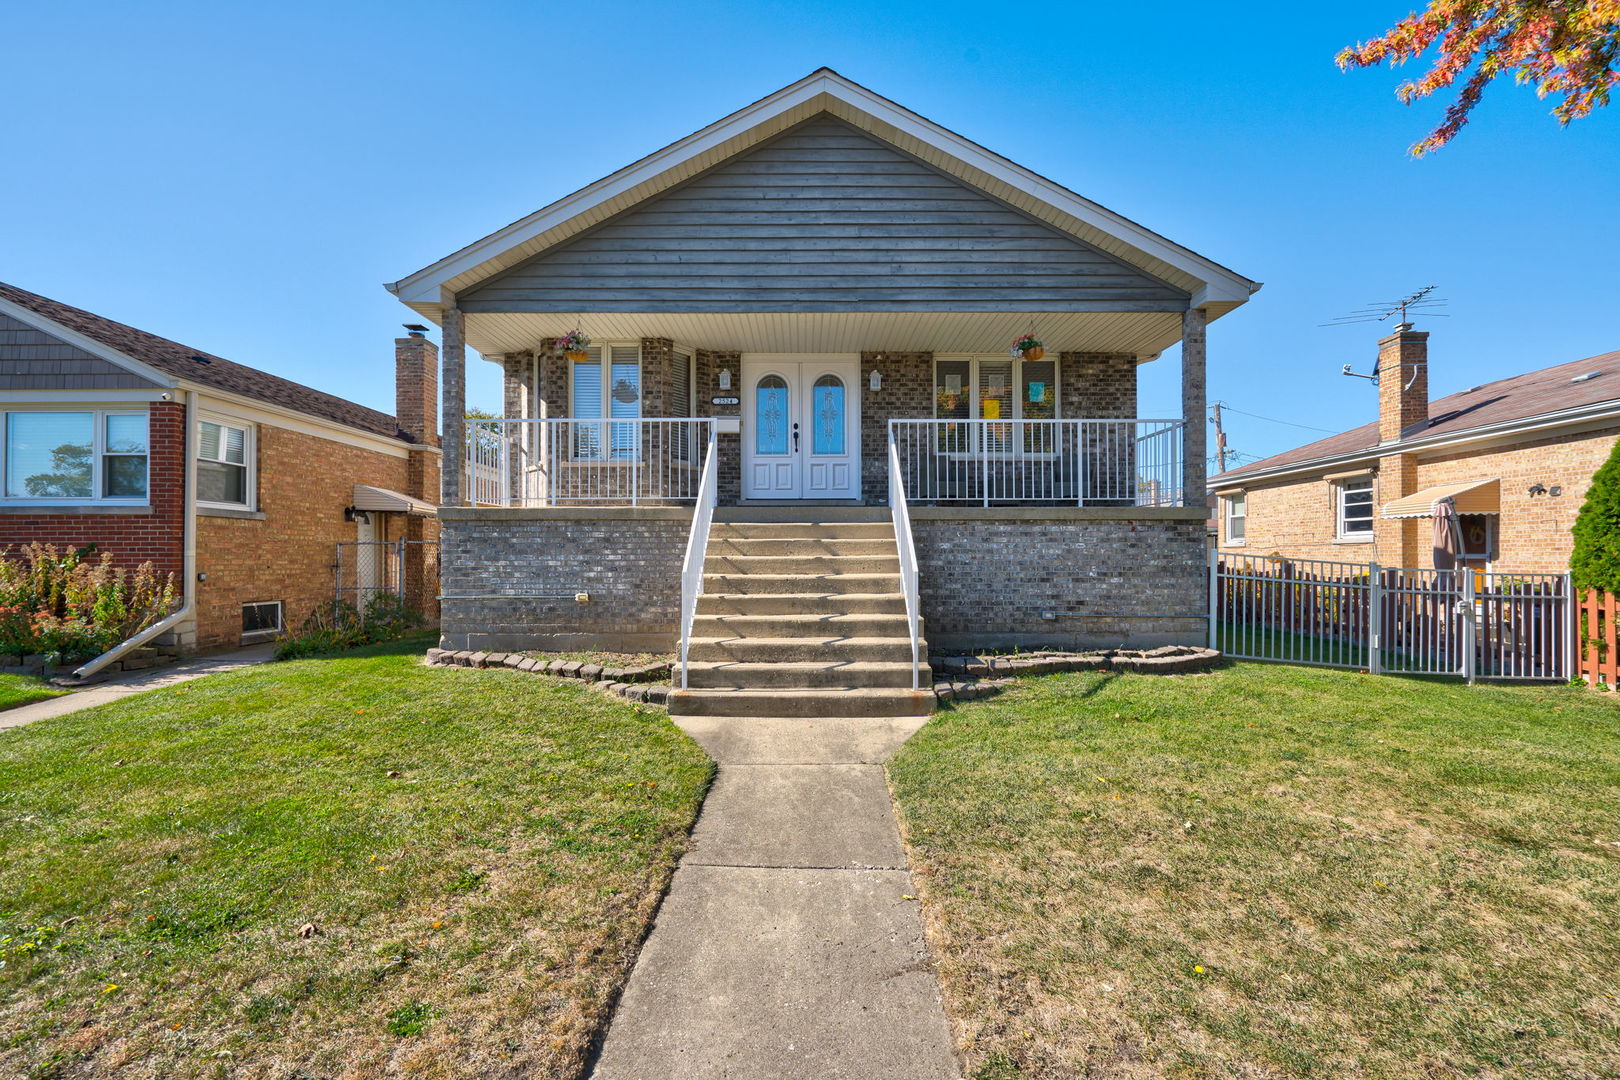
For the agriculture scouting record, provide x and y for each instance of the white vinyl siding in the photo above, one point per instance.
(1353, 509)
(79, 456)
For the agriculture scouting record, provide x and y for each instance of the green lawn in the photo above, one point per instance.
(23, 690)
(479, 853)
(1273, 871)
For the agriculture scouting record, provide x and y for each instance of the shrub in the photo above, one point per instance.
(339, 625)
(1595, 561)
(67, 606)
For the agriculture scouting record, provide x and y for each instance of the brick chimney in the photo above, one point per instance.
(1403, 382)
(416, 388)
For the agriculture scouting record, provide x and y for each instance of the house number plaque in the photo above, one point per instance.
(725, 401)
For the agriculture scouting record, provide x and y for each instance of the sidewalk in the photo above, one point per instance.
(790, 944)
(135, 682)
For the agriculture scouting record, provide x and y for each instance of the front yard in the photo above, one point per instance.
(18, 690)
(1273, 872)
(354, 867)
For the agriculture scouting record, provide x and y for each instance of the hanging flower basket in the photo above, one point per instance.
(573, 345)
(1029, 348)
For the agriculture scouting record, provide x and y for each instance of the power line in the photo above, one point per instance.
(1274, 420)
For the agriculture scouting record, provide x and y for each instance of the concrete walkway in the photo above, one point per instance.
(136, 682)
(787, 946)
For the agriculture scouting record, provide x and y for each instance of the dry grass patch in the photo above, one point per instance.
(1273, 872)
(332, 868)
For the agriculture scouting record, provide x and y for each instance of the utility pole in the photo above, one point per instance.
(1220, 437)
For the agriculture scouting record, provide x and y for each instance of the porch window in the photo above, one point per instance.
(81, 456)
(1353, 502)
(996, 388)
(225, 464)
(606, 386)
(1237, 517)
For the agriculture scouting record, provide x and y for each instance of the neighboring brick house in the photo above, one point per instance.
(1515, 455)
(96, 448)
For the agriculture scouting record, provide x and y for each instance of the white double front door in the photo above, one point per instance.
(801, 428)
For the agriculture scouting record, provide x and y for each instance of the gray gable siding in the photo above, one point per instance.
(31, 359)
(822, 218)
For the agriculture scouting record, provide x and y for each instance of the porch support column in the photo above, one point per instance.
(1194, 466)
(453, 384)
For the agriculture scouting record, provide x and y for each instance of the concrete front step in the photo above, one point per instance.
(810, 530)
(867, 701)
(756, 584)
(789, 650)
(802, 564)
(814, 603)
(801, 546)
(803, 675)
(799, 514)
(789, 626)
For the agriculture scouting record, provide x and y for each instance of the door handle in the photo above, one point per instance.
(795, 436)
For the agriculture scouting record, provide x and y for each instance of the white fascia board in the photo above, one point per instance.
(88, 344)
(83, 398)
(1219, 286)
(1507, 430)
(218, 401)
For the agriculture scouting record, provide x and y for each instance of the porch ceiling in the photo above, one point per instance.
(1144, 333)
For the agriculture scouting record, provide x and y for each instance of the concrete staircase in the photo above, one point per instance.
(802, 615)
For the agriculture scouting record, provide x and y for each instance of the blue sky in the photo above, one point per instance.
(244, 177)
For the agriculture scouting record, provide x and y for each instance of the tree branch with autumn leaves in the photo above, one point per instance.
(1567, 48)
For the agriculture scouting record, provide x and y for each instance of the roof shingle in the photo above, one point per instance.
(194, 365)
(1521, 397)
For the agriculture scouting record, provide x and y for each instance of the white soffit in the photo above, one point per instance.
(1144, 334)
(826, 91)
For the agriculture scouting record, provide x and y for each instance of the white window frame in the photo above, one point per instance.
(1229, 503)
(98, 451)
(250, 455)
(608, 455)
(265, 635)
(1340, 489)
(974, 404)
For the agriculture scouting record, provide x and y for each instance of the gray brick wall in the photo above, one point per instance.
(628, 561)
(986, 582)
(907, 394)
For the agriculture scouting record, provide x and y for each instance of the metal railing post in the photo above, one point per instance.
(1214, 590)
(1375, 618)
(1465, 612)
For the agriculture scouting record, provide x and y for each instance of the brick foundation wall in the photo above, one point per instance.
(987, 579)
(305, 482)
(1296, 519)
(155, 536)
(628, 560)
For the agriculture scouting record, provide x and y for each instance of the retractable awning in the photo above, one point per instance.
(367, 497)
(1470, 497)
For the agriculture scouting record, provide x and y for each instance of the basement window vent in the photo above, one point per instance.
(261, 621)
(1590, 375)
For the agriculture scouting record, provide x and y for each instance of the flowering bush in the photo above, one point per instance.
(574, 341)
(63, 605)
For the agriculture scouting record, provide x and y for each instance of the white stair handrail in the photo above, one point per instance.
(697, 546)
(908, 554)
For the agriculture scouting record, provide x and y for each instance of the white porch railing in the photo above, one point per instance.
(1075, 462)
(525, 463)
(697, 547)
(908, 559)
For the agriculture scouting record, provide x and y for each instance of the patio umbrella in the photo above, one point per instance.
(1447, 538)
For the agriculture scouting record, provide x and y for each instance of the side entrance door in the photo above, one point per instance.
(801, 429)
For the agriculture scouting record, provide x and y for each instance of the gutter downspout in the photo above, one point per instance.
(188, 562)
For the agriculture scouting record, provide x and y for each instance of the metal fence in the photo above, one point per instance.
(522, 462)
(1070, 462)
(1472, 623)
(363, 570)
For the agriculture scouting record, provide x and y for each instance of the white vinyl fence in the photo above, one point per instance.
(1476, 624)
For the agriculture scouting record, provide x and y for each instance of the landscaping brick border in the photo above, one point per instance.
(632, 683)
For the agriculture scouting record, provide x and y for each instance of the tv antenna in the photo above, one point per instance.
(1418, 303)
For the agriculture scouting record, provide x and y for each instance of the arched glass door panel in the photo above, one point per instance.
(827, 412)
(772, 415)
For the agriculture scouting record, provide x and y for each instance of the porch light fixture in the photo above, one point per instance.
(875, 380)
(352, 514)
(725, 378)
